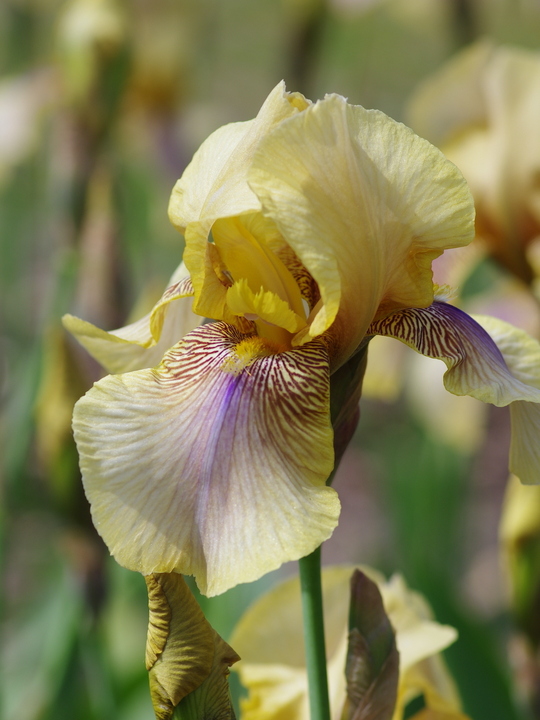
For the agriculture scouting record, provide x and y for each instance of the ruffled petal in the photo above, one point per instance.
(142, 343)
(213, 464)
(522, 356)
(365, 222)
(486, 358)
(214, 185)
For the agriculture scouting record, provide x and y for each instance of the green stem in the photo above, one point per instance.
(312, 606)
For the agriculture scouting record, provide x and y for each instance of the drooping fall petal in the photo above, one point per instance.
(487, 359)
(213, 464)
(186, 659)
(365, 222)
(144, 342)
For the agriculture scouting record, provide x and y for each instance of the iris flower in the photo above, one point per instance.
(483, 110)
(307, 230)
(273, 665)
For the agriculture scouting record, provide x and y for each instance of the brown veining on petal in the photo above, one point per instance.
(308, 287)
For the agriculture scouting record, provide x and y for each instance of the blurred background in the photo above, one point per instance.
(102, 104)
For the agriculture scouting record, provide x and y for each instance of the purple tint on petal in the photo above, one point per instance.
(440, 331)
(468, 328)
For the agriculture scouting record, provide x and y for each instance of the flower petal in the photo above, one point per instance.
(475, 364)
(214, 185)
(269, 640)
(454, 98)
(215, 463)
(486, 358)
(483, 110)
(522, 356)
(144, 342)
(365, 221)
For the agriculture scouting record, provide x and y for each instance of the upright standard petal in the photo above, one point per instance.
(214, 185)
(143, 343)
(364, 221)
(489, 360)
(213, 464)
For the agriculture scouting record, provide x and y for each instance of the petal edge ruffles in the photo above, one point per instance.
(210, 465)
(366, 222)
(143, 343)
(486, 358)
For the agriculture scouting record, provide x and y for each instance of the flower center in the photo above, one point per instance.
(263, 289)
(249, 350)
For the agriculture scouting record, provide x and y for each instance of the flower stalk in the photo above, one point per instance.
(312, 610)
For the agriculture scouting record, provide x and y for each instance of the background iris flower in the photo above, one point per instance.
(482, 109)
(308, 230)
(268, 638)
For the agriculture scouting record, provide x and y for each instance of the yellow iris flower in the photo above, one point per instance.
(269, 641)
(483, 110)
(308, 230)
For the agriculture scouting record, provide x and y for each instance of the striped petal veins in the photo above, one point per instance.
(214, 463)
(489, 360)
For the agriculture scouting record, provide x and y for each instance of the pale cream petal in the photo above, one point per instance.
(432, 679)
(277, 692)
(483, 110)
(514, 110)
(521, 514)
(364, 221)
(213, 464)
(214, 185)
(521, 354)
(144, 342)
(524, 458)
(417, 635)
(269, 640)
(452, 99)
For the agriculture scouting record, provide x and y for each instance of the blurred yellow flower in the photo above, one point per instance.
(483, 110)
(308, 230)
(520, 541)
(269, 641)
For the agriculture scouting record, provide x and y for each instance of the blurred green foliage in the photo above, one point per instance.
(102, 104)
